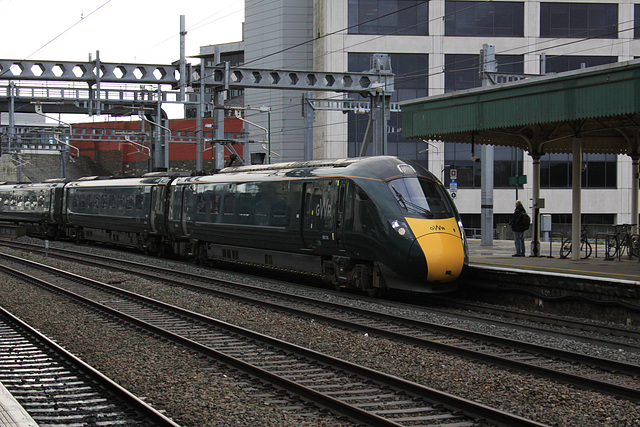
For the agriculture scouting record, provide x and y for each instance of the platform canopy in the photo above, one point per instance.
(600, 105)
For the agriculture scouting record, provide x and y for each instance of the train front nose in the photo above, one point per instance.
(441, 245)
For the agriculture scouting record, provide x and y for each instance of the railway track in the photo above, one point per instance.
(56, 388)
(361, 394)
(572, 329)
(602, 375)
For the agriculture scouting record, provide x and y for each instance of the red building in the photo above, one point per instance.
(125, 147)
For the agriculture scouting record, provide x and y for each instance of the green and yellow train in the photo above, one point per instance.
(372, 224)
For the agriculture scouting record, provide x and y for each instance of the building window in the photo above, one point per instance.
(462, 71)
(579, 20)
(411, 82)
(507, 164)
(636, 21)
(558, 64)
(458, 156)
(601, 171)
(482, 18)
(389, 17)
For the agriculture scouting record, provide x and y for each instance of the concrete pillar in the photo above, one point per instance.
(576, 209)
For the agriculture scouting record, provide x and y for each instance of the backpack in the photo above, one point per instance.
(525, 221)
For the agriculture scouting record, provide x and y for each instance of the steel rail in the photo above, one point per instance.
(471, 409)
(414, 338)
(81, 376)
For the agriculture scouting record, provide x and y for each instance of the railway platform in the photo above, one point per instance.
(500, 256)
(595, 287)
(12, 414)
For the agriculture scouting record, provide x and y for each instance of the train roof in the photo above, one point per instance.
(379, 167)
(119, 182)
(29, 185)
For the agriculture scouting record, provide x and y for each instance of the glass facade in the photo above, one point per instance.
(462, 71)
(389, 17)
(411, 82)
(636, 21)
(508, 162)
(579, 20)
(600, 171)
(558, 64)
(483, 18)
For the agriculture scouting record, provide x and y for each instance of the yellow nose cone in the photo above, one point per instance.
(442, 246)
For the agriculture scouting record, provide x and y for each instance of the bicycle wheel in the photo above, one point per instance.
(612, 248)
(585, 249)
(635, 245)
(565, 249)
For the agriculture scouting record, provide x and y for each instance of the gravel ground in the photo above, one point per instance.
(173, 379)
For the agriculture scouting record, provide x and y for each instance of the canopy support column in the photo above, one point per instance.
(535, 237)
(576, 210)
(635, 177)
(486, 208)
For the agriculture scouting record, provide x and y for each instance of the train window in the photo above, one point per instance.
(41, 201)
(421, 196)
(201, 205)
(82, 202)
(261, 209)
(129, 204)
(279, 211)
(74, 201)
(245, 206)
(139, 201)
(96, 202)
(214, 204)
(105, 201)
(229, 207)
(112, 202)
(120, 202)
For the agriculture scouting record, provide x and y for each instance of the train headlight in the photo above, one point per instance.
(402, 228)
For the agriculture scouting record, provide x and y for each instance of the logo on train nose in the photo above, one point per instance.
(437, 228)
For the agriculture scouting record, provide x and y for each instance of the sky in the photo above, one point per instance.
(143, 31)
(128, 31)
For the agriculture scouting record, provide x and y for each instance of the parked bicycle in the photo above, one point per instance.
(585, 246)
(623, 242)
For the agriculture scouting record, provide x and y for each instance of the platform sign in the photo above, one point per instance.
(453, 187)
(453, 174)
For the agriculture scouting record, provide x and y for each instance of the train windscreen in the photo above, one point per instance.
(422, 196)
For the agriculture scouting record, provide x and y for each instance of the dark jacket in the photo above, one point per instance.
(517, 223)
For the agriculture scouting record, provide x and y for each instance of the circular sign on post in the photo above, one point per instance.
(453, 194)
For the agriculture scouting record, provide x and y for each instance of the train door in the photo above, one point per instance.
(154, 211)
(320, 215)
(177, 218)
(187, 210)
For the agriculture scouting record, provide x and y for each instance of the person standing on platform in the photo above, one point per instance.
(519, 224)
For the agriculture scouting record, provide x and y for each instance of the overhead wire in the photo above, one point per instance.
(59, 35)
(68, 29)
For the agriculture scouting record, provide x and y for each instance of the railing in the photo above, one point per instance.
(625, 239)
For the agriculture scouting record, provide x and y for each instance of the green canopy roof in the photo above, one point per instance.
(543, 114)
